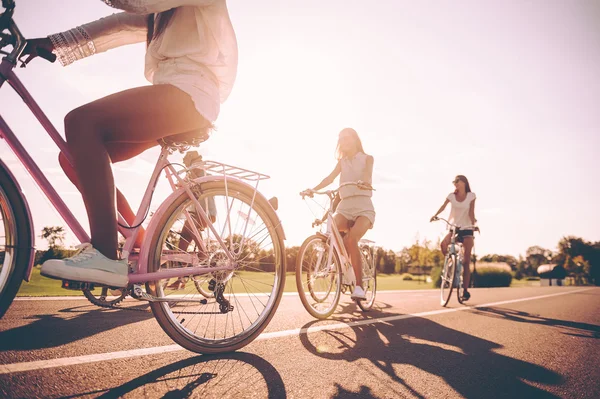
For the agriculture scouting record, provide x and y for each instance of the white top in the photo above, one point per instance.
(353, 170)
(459, 212)
(197, 52)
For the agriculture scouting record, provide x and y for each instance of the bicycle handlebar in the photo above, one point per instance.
(455, 227)
(15, 38)
(331, 193)
(472, 227)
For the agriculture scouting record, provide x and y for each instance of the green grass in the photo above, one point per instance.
(42, 286)
(525, 283)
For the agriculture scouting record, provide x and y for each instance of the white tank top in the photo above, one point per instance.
(352, 171)
(459, 212)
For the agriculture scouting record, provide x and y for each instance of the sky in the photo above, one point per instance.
(504, 92)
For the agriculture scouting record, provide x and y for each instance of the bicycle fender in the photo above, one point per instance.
(27, 275)
(143, 261)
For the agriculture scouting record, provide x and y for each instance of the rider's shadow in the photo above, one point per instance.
(231, 375)
(466, 363)
(51, 330)
(572, 328)
(349, 311)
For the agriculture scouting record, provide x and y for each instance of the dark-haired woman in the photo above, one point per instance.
(462, 214)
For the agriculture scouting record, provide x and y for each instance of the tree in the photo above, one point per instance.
(403, 260)
(580, 258)
(55, 235)
(536, 256)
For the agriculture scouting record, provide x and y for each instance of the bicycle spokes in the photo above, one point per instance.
(245, 254)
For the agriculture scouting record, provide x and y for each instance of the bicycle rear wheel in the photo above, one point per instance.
(15, 240)
(447, 283)
(245, 298)
(318, 281)
(369, 270)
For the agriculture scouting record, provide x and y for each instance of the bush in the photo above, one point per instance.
(532, 279)
(407, 277)
(53, 253)
(493, 277)
(518, 275)
(436, 277)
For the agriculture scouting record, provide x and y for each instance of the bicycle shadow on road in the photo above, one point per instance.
(466, 363)
(69, 325)
(230, 375)
(571, 328)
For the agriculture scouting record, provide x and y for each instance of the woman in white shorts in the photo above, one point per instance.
(355, 213)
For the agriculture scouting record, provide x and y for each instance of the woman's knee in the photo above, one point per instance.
(80, 126)
(351, 239)
(444, 245)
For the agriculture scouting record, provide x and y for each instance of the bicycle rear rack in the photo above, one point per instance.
(218, 168)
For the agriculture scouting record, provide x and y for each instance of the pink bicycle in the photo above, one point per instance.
(215, 236)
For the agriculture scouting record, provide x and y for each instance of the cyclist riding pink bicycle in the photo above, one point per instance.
(462, 214)
(191, 61)
(355, 213)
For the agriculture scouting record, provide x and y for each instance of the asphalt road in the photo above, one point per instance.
(513, 343)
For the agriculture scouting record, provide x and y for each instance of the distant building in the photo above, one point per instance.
(551, 274)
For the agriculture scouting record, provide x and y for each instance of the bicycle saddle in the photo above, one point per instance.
(180, 141)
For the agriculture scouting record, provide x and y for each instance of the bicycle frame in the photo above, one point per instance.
(337, 243)
(456, 249)
(140, 274)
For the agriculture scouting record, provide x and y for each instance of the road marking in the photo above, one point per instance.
(100, 357)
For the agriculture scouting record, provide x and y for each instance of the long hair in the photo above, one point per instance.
(351, 132)
(162, 21)
(464, 179)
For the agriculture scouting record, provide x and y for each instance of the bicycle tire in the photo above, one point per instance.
(316, 248)
(459, 283)
(370, 270)
(447, 283)
(227, 339)
(15, 239)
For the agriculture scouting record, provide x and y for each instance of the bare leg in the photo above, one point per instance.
(117, 152)
(361, 225)
(445, 243)
(467, 247)
(139, 115)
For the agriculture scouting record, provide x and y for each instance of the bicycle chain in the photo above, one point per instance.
(224, 304)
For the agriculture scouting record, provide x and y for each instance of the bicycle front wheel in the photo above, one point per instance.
(369, 270)
(15, 240)
(242, 301)
(458, 281)
(447, 279)
(318, 277)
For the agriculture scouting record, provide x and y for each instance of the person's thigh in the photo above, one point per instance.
(468, 245)
(361, 225)
(139, 115)
(341, 222)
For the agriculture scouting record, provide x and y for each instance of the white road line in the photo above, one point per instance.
(71, 361)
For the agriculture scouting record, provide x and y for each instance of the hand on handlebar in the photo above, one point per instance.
(309, 192)
(433, 219)
(41, 47)
(363, 185)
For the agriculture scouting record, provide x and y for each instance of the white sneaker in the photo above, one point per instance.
(89, 266)
(358, 294)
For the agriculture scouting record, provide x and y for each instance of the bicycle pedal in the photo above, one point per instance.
(76, 285)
